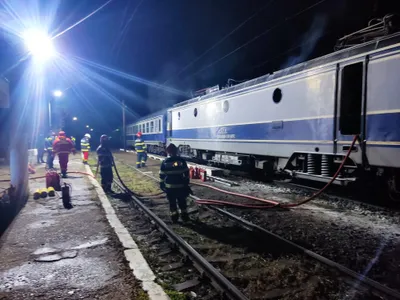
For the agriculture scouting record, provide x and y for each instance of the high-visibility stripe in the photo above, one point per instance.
(140, 151)
(174, 186)
(138, 162)
(85, 150)
(174, 171)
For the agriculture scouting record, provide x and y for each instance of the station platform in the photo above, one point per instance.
(49, 252)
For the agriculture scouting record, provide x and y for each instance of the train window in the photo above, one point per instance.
(225, 106)
(179, 115)
(277, 95)
(351, 99)
(151, 126)
(159, 125)
(195, 112)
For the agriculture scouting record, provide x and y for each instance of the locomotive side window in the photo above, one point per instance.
(277, 95)
(351, 99)
(179, 115)
(195, 112)
(226, 106)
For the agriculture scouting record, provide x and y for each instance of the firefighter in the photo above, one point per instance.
(174, 175)
(63, 146)
(73, 140)
(85, 147)
(49, 149)
(140, 148)
(105, 161)
(41, 148)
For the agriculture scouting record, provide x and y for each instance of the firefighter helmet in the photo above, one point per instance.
(139, 134)
(172, 150)
(87, 135)
(61, 133)
(104, 137)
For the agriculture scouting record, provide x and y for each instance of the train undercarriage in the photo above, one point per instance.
(315, 167)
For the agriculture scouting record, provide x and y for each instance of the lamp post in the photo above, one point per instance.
(56, 94)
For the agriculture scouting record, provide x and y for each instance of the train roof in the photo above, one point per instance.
(150, 116)
(326, 59)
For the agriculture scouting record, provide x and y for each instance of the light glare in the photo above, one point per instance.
(39, 44)
(75, 119)
(57, 93)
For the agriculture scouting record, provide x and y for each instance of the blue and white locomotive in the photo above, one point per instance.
(300, 120)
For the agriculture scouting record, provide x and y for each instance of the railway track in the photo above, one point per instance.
(250, 236)
(331, 194)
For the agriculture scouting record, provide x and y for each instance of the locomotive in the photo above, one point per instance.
(299, 121)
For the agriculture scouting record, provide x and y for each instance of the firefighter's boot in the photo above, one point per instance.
(64, 174)
(185, 216)
(174, 216)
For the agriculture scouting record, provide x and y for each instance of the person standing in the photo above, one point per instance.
(106, 161)
(49, 149)
(63, 146)
(85, 147)
(41, 148)
(73, 140)
(140, 148)
(174, 180)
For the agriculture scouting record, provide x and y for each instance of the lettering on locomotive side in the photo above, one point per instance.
(223, 133)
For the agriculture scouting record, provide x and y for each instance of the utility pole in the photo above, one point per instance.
(123, 126)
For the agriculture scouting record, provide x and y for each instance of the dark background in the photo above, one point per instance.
(185, 45)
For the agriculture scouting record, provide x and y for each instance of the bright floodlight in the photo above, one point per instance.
(39, 44)
(91, 129)
(87, 126)
(74, 118)
(57, 93)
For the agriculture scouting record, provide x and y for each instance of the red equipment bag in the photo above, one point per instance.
(53, 180)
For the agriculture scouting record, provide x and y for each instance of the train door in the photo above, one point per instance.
(350, 107)
(169, 126)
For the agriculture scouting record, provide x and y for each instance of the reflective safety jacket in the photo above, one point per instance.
(63, 145)
(85, 146)
(104, 156)
(174, 174)
(140, 146)
(48, 144)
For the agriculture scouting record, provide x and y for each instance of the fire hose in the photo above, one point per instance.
(266, 203)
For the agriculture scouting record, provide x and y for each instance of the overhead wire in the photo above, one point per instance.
(293, 48)
(220, 41)
(259, 35)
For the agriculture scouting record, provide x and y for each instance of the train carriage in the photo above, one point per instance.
(153, 129)
(302, 120)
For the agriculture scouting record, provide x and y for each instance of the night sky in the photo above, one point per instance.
(186, 45)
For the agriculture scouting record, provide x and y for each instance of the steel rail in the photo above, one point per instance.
(363, 280)
(219, 281)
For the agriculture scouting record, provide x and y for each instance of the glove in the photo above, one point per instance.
(162, 186)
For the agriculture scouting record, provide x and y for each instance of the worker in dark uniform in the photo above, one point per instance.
(49, 149)
(140, 148)
(105, 161)
(174, 175)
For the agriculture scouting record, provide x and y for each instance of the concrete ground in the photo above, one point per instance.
(49, 252)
